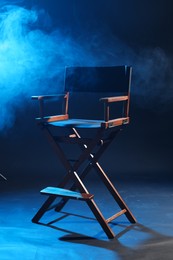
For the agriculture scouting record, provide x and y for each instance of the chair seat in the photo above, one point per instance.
(77, 123)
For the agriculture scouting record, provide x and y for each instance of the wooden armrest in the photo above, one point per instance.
(115, 122)
(49, 119)
(114, 99)
(48, 96)
(42, 98)
(108, 100)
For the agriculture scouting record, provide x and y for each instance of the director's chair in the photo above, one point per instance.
(113, 86)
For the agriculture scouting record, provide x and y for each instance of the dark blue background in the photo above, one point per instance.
(144, 149)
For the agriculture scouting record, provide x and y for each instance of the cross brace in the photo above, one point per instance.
(76, 175)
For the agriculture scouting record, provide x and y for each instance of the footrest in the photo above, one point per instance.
(66, 193)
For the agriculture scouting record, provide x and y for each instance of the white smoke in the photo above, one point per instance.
(29, 56)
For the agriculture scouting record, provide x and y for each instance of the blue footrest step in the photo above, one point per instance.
(66, 193)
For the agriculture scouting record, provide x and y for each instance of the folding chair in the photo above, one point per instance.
(114, 82)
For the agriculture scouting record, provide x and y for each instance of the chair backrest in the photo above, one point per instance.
(115, 79)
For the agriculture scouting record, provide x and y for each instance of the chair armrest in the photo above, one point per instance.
(108, 100)
(48, 96)
(115, 122)
(114, 99)
(48, 119)
(43, 98)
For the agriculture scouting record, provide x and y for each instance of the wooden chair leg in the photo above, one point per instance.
(43, 209)
(77, 181)
(115, 193)
(101, 220)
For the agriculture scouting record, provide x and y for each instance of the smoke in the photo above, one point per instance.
(32, 57)
(153, 79)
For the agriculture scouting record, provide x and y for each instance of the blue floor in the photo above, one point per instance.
(75, 234)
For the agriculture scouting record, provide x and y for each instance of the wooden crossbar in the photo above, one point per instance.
(116, 215)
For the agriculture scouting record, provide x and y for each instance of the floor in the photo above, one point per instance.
(75, 234)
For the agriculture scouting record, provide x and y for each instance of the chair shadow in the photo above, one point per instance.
(154, 246)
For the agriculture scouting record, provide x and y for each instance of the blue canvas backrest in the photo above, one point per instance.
(115, 79)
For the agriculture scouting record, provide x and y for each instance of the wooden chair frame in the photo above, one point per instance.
(92, 149)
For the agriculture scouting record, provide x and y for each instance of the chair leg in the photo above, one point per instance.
(115, 193)
(49, 201)
(43, 209)
(105, 179)
(101, 220)
(62, 203)
(78, 179)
